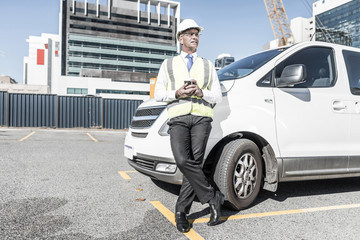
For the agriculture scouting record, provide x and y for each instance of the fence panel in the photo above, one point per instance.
(32, 110)
(47, 110)
(119, 112)
(79, 112)
(3, 108)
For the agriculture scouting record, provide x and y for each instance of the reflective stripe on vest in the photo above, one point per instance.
(177, 72)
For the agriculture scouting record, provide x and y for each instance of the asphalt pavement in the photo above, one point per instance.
(76, 184)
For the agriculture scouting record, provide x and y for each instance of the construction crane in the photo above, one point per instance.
(279, 21)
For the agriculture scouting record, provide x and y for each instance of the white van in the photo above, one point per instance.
(287, 114)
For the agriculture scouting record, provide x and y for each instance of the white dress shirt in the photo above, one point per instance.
(162, 95)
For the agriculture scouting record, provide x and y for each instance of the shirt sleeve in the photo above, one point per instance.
(161, 92)
(213, 95)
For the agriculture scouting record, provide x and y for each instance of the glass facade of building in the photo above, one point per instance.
(120, 41)
(340, 25)
(92, 52)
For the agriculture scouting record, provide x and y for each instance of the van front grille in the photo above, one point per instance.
(143, 163)
(149, 111)
(145, 117)
(142, 123)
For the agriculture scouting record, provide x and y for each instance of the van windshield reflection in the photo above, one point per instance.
(245, 66)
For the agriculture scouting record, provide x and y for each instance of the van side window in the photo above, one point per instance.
(320, 66)
(352, 62)
(265, 81)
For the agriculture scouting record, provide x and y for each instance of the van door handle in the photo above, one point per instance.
(268, 100)
(338, 106)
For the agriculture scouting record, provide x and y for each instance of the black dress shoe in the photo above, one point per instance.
(215, 208)
(182, 223)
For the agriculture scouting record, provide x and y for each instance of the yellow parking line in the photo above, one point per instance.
(192, 235)
(94, 139)
(277, 213)
(125, 175)
(24, 138)
(356, 205)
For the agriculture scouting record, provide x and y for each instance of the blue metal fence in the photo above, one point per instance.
(32, 110)
(119, 112)
(3, 108)
(79, 112)
(45, 110)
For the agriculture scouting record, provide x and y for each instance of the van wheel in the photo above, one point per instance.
(238, 173)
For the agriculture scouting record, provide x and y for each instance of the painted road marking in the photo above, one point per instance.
(94, 139)
(278, 213)
(125, 175)
(24, 138)
(194, 235)
(171, 217)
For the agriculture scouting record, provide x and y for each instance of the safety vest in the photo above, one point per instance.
(177, 72)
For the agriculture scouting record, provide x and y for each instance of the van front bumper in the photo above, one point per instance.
(147, 165)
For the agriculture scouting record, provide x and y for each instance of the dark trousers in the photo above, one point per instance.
(189, 135)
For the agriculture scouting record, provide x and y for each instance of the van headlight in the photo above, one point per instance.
(165, 130)
(166, 167)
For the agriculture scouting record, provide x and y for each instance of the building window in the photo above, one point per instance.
(112, 91)
(142, 50)
(106, 30)
(81, 91)
(156, 51)
(113, 47)
(339, 25)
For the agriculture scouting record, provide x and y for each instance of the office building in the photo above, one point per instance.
(7, 80)
(337, 21)
(8, 84)
(43, 63)
(125, 40)
(302, 30)
(107, 48)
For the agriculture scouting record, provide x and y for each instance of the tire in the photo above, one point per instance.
(238, 173)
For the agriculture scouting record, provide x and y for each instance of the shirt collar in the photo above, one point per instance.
(184, 54)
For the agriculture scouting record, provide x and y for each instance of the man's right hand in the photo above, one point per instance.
(184, 92)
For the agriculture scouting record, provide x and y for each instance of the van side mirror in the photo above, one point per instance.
(291, 75)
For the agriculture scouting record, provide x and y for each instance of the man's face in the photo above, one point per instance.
(189, 40)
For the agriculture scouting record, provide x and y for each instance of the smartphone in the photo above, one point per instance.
(188, 81)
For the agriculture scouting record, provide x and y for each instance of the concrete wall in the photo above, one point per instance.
(125, 4)
(6, 80)
(23, 88)
(35, 74)
(65, 82)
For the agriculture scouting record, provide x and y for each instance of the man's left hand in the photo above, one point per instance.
(197, 91)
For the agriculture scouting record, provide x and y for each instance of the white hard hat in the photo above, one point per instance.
(187, 24)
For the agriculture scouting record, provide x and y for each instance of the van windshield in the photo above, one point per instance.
(245, 66)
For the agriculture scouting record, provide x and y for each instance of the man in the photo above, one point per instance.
(190, 86)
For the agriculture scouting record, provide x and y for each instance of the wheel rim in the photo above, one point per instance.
(245, 175)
